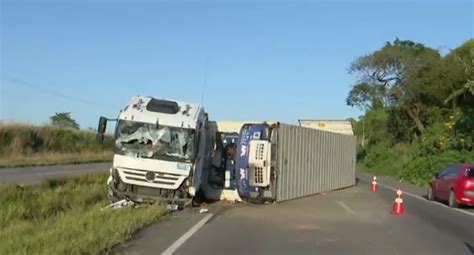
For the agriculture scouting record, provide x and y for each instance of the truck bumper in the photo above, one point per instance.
(142, 198)
(118, 190)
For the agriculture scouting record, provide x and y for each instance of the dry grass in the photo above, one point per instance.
(46, 159)
(27, 145)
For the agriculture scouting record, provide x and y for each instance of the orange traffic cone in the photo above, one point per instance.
(398, 207)
(374, 185)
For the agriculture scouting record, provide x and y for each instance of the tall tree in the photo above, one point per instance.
(462, 71)
(402, 74)
(63, 120)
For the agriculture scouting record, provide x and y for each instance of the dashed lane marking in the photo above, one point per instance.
(178, 243)
(346, 207)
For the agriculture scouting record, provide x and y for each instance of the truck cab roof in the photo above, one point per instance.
(162, 111)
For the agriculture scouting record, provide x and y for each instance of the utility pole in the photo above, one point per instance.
(363, 132)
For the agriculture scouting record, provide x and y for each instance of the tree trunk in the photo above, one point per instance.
(414, 115)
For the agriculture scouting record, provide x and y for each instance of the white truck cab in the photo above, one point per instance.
(160, 146)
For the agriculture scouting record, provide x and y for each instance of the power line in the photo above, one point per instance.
(57, 94)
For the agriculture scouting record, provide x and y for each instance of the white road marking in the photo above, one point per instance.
(423, 199)
(187, 235)
(346, 207)
(48, 173)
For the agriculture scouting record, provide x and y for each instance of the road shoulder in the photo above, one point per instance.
(158, 237)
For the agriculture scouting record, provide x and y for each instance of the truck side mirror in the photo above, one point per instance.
(101, 129)
(102, 125)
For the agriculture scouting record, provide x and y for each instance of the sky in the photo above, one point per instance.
(243, 60)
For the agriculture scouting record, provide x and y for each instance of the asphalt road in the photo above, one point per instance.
(349, 221)
(33, 175)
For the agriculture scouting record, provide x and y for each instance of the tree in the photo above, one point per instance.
(418, 108)
(63, 120)
(365, 96)
(462, 71)
(402, 74)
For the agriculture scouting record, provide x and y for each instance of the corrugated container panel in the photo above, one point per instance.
(336, 126)
(235, 126)
(312, 161)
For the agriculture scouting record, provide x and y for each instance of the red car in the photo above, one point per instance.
(455, 184)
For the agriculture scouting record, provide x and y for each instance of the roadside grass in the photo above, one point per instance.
(401, 165)
(384, 161)
(390, 168)
(47, 159)
(64, 217)
(29, 145)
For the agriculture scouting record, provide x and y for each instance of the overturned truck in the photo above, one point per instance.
(169, 151)
(281, 162)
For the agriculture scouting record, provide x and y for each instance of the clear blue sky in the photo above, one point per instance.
(270, 60)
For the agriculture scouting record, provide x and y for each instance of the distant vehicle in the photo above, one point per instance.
(455, 185)
(335, 126)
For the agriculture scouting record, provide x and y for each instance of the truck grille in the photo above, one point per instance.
(151, 178)
(259, 151)
(259, 167)
(258, 172)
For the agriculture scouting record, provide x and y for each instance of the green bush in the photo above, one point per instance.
(420, 170)
(376, 154)
(420, 161)
(384, 160)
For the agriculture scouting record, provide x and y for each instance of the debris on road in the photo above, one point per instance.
(119, 204)
(172, 207)
(203, 210)
(307, 227)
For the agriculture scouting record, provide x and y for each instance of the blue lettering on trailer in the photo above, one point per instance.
(247, 133)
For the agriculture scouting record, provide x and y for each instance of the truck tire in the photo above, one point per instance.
(198, 199)
(111, 196)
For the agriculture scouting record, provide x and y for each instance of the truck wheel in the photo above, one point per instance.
(258, 200)
(111, 196)
(198, 199)
(195, 203)
(452, 200)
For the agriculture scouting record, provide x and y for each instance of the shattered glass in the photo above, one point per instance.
(154, 141)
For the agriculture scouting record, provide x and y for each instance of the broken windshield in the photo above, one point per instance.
(154, 141)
